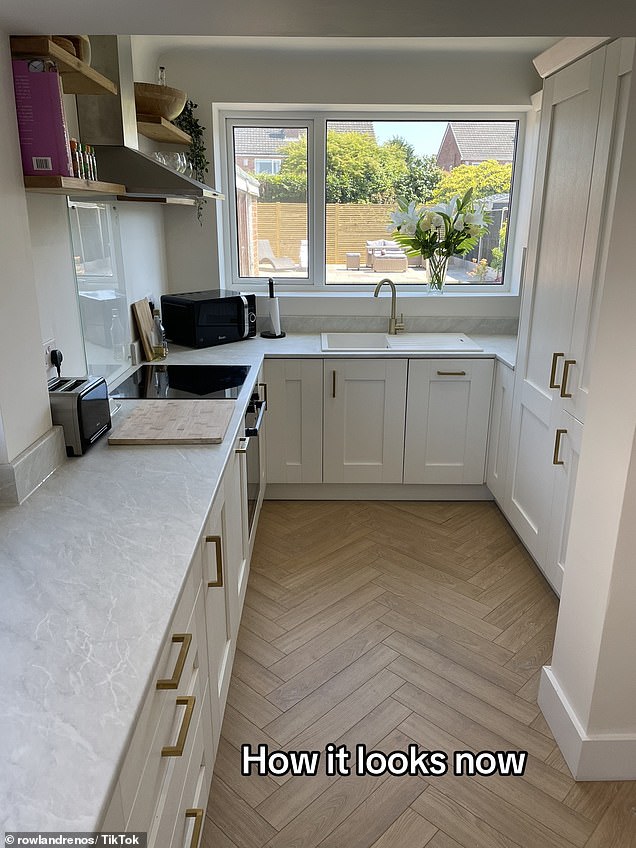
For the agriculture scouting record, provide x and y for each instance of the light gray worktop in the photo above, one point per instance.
(503, 348)
(92, 567)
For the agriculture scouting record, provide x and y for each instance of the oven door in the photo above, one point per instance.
(255, 490)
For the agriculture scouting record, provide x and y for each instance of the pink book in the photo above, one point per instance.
(43, 134)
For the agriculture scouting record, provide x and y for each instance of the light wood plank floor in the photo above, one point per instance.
(388, 624)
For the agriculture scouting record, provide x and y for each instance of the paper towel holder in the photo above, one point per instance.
(274, 315)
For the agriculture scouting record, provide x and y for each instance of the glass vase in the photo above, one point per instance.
(436, 272)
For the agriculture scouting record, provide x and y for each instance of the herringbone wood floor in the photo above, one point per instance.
(386, 624)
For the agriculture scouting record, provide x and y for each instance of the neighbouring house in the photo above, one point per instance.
(472, 142)
(261, 150)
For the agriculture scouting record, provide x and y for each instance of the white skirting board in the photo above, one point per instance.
(599, 757)
(374, 492)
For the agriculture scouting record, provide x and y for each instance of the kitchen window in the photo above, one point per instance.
(320, 216)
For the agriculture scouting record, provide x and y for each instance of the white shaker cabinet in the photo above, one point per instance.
(294, 420)
(499, 430)
(364, 403)
(447, 420)
(579, 145)
(235, 530)
(221, 604)
(565, 458)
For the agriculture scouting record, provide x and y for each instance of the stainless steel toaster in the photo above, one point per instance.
(80, 405)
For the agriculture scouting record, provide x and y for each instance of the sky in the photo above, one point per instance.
(425, 136)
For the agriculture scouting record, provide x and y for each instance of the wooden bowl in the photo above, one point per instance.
(65, 44)
(159, 100)
(76, 45)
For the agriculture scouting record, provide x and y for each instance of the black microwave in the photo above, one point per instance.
(206, 318)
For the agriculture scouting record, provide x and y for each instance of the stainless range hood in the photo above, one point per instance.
(109, 124)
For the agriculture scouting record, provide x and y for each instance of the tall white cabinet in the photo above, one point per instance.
(579, 144)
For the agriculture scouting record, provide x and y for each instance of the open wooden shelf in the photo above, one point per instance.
(71, 185)
(77, 77)
(159, 129)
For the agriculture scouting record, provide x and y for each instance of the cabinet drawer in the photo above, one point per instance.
(190, 813)
(173, 723)
(181, 789)
(157, 699)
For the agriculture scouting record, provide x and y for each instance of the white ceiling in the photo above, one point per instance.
(318, 18)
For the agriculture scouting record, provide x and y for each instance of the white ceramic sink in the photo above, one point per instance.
(429, 342)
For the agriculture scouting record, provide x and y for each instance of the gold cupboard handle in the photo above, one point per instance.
(219, 561)
(187, 701)
(243, 443)
(557, 447)
(173, 682)
(553, 370)
(197, 814)
(264, 387)
(333, 384)
(564, 380)
(451, 373)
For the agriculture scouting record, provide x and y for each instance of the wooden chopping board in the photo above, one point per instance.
(143, 317)
(175, 422)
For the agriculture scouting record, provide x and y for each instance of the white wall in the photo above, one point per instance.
(24, 403)
(143, 250)
(55, 279)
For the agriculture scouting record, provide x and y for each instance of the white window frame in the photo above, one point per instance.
(315, 118)
(270, 161)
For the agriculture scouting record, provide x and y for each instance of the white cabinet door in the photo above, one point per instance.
(364, 402)
(218, 608)
(574, 384)
(567, 174)
(447, 420)
(294, 420)
(567, 449)
(499, 431)
(235, 532)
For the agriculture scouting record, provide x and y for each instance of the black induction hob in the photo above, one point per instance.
(183, 381)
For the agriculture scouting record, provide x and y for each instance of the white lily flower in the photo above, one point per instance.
(438, 221)
(475, 218)
(426, 221)
(458, 223)
(406, 221)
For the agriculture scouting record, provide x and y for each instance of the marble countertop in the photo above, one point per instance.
(503, 348)
(92, 567)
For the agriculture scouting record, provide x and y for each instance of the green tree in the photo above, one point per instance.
(359, 170)
(486, 178)
(422, 176)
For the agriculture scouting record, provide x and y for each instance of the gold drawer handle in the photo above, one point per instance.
(553, 370)
(197, 814)
(219, 561)
(243, 442)
(451, 373)
(173, 682)
(564, 381)
(187, 701)
(557, 447)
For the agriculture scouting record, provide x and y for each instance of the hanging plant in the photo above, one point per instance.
(189, 123)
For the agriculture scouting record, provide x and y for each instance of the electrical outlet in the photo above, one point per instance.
(48, 346)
